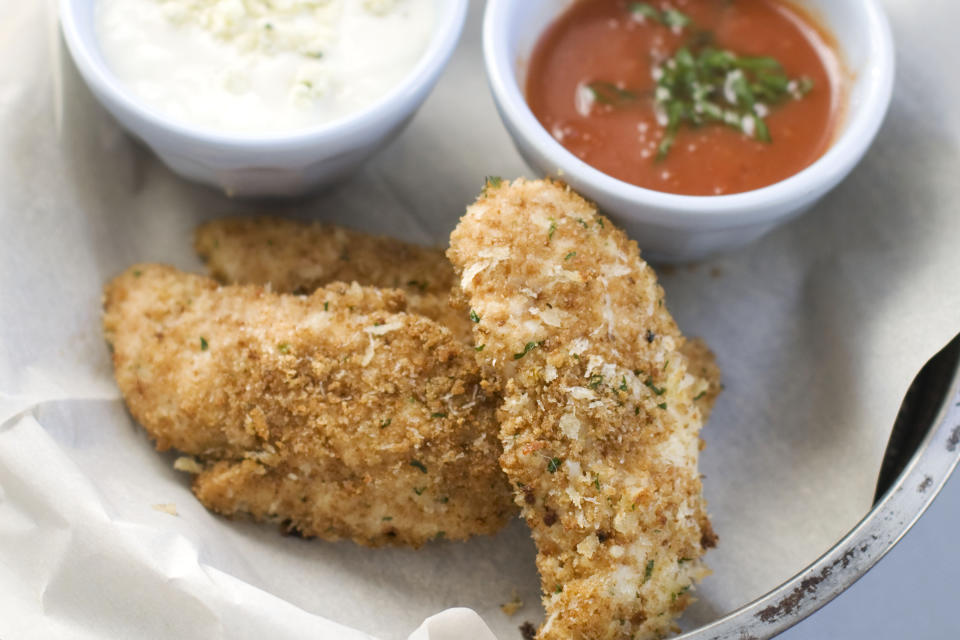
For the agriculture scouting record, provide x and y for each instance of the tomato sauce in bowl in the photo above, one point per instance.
(608, 76)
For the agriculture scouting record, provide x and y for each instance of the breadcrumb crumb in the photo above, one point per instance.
(166, 507)
(515, 604)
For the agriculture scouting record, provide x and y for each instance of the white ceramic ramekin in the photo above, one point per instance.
(678, 228)
(281, 164)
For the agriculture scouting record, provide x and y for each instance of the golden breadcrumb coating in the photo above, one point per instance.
(598, 422)
(298, 257)
(336, 414)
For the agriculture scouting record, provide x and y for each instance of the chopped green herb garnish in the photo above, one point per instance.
(596, 482)
(663, 405)
(419, 490)
(527, 348)
(491, 182)
(137, 273)
(553, 229)
(676, 19)
(479, 348)
(703, 85)
(682, 560)
(582, 223)
(440, 535)
(648, 571)
(572, 254)
(636, 411)
(674, 596)
(387, 518)
(699, 395)
(553, 464)
(558, 588)
(326, 306)
(418, 465)
(611, 94)
(644, 10)
(444, 500)
(439, 414)
(672, 18)
(623, 383)
(204, 345)
(657, 390)
(386, 423)
(283, 347)
(595, 381)
(474, 317)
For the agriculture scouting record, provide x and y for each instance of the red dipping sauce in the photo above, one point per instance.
(607, 43)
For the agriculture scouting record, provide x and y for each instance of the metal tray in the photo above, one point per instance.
(923, 452)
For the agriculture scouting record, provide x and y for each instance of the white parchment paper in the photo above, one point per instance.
(819, 329)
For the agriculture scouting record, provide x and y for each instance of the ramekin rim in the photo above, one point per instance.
(760, 205)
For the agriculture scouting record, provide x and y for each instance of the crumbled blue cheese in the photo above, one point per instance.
(262, 65)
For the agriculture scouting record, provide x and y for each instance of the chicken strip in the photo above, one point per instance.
(599, 422)
(337, 414)
(298, 257)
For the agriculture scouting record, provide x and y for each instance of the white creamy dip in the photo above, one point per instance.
(260, 66)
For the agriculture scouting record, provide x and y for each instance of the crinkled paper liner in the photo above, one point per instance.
(819, 329)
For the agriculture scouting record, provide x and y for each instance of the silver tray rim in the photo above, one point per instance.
(859, 550)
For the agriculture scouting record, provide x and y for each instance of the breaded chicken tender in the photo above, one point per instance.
(298, 257)
(336, 414)
(599, 421)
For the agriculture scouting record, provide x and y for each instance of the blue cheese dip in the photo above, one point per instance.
(262, 66)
